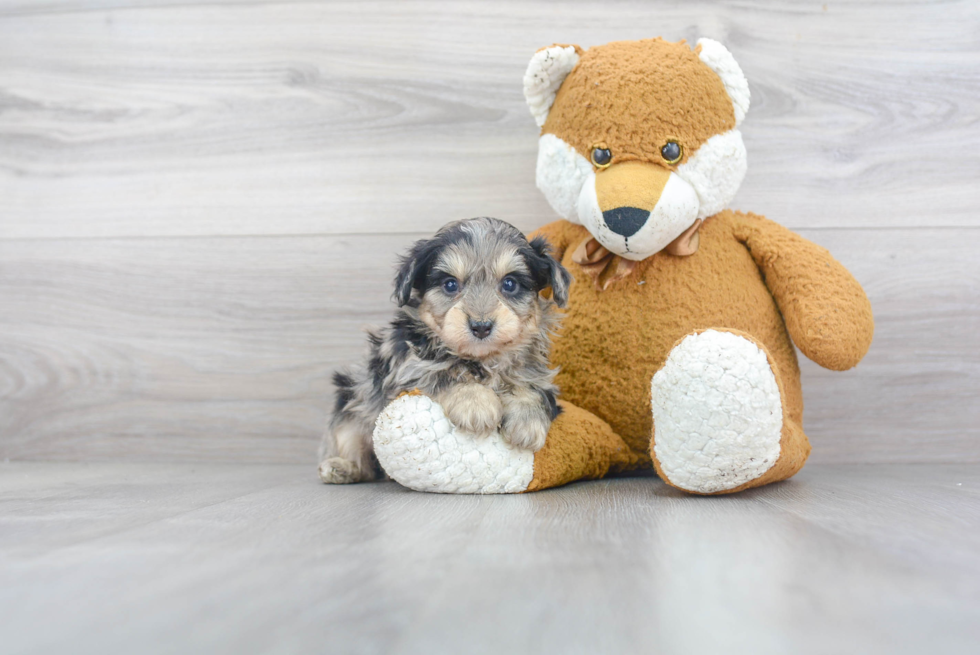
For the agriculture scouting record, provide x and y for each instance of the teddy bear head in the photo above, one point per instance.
(639, 139)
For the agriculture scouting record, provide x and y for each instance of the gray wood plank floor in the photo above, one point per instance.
(160, 558)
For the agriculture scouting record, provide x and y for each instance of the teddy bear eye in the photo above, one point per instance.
(601, 157)
(672, 152)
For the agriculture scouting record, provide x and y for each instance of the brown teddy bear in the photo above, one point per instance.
(676, 350)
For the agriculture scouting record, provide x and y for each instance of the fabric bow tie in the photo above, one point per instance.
(605, 267)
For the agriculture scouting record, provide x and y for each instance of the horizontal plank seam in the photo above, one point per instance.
(345, 235)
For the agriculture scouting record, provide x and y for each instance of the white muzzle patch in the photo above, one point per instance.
(648, 232)
(701, 187)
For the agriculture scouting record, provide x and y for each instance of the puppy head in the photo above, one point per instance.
(476, 284)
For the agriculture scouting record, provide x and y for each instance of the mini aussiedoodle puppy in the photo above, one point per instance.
(472, 332)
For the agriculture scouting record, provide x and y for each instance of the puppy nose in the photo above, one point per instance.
(481, 329)
(625, 221)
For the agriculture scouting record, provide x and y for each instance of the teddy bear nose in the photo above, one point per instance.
(625, 221)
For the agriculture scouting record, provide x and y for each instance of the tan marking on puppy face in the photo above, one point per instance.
(508, 262)
(634, 96)
(480, 268)
(456, 329)
(508, 325)
(453, 328)
(455, 259)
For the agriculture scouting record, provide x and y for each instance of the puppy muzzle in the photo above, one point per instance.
(636, 209)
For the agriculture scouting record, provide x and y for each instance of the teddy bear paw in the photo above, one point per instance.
(717, 413)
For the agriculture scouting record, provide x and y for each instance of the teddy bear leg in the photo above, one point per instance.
(421, 449)
(580, 446)
(720, 419)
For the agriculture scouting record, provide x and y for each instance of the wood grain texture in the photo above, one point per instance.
(173, 118)
(199, 202)
(913, 397)
(147, 558)
(182, 348)
(221, 348)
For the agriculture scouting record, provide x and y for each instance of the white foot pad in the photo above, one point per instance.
(717, 413)
(420, 449)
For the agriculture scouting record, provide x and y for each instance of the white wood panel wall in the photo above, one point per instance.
(200, 203)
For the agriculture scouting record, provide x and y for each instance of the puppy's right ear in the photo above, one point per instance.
(404, 281)
(412, 270)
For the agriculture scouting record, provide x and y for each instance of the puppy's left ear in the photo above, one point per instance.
(412, 270)
(550, 272)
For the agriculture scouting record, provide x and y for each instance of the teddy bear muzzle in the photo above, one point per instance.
(635, 209)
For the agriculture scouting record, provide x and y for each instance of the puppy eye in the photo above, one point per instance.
(509, 285)
(601, 157)
(450, 285)
(672, 152)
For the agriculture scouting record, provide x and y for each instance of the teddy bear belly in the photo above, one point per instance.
(612, 342)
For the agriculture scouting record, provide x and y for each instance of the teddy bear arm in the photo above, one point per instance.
(826, 311)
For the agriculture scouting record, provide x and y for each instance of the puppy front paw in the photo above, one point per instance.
(526, 419)
(473, 408)
(525, 426)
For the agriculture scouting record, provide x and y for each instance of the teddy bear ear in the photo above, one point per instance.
(718, 59)
(548, 69)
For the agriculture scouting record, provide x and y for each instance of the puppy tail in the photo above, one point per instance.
(344, 383)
